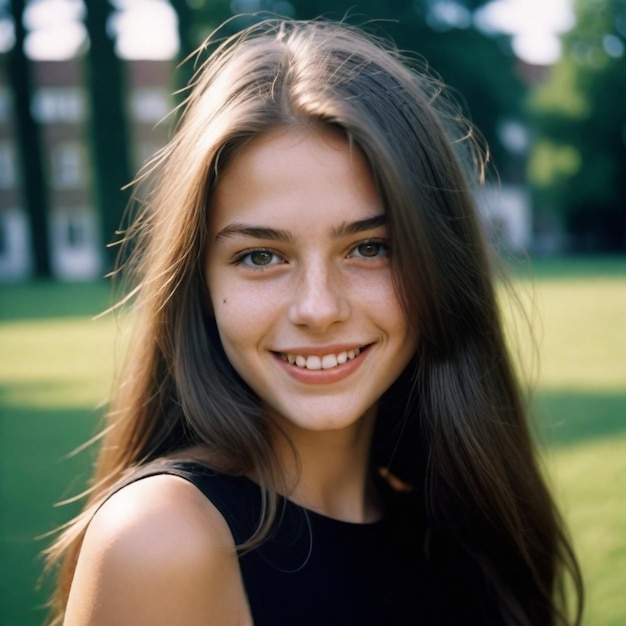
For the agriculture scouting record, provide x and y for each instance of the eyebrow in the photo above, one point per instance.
(359, 226)
(275, 234)
(255, 232)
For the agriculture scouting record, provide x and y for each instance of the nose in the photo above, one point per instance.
(319, 299)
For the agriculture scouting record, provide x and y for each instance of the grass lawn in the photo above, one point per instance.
(56, 369)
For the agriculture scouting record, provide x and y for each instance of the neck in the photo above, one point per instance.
(329, 472)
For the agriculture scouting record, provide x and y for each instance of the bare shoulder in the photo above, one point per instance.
(158, 552)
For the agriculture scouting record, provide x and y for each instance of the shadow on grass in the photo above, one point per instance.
(37, 472)
(567, 417)
(50, 299)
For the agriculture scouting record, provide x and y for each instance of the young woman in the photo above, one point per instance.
(318, 423)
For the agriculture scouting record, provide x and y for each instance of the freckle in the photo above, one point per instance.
(224, 301)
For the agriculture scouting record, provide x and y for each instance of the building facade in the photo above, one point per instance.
(60, 106)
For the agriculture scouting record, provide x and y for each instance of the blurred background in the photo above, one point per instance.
(85, 92)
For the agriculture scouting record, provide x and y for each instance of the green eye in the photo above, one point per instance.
(260, 257)
(370, 249)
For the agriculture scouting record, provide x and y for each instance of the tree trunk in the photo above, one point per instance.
(184, 72)
(108, 125)
(28, 134)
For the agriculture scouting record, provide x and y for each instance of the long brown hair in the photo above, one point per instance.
(454, 424)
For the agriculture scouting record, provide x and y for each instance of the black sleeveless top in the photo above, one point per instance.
(316, 571)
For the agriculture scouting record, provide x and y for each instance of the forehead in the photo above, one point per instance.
(296, 178)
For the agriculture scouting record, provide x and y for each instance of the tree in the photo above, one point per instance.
(108, 124)
(479, 68)
(34, 184)
(578, 163)
(196, 20)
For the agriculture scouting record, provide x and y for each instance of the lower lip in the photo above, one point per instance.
(322, 376)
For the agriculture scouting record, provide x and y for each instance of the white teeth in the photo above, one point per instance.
(328, 361)
(314, 362)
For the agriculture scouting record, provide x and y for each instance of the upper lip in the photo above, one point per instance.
(322, 350)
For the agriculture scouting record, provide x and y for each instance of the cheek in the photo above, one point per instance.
(231, 325)
(232, 335)
(384, 306)
(241, 317)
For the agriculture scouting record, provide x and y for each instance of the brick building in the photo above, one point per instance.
(60, 105)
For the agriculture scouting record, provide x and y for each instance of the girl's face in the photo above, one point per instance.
(300, 281)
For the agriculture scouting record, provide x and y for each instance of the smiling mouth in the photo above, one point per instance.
(323, 362)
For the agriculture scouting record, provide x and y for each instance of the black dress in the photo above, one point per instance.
(316, 571)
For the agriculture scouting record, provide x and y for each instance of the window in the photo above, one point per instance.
(76, 245)
(76, 234)
(73, 228)
(59, 104)
(68, 170)
(149, 105)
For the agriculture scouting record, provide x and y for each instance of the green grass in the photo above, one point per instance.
(55, 369)
(581, 407)
(590, 481)
(57, 364)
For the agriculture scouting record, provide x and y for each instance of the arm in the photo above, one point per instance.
(157, 553)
